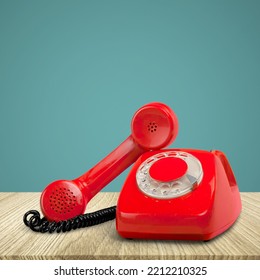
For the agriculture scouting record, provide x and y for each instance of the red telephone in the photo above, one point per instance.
(169, 194)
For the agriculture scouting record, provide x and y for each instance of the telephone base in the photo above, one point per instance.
(207, 211)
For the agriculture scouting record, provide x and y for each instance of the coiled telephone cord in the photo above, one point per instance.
(33, 220)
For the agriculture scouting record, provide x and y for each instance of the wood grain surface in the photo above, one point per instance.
(242, 241)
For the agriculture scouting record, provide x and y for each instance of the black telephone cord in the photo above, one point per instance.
(33, 220)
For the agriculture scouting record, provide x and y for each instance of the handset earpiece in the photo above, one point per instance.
(153, 126)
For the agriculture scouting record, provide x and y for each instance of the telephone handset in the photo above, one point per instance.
(169, 194)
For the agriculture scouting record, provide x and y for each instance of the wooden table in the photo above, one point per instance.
(242, 241)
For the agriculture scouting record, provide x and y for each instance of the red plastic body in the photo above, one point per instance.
(210, 209)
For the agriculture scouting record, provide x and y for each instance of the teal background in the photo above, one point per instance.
(72, 73)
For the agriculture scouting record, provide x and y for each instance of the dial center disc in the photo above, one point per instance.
(168, 169)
